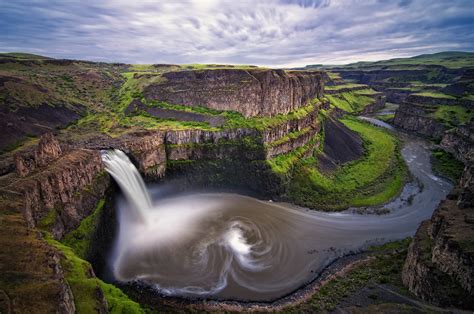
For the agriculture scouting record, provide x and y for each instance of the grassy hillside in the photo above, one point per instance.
(372, 180)
(448, 59)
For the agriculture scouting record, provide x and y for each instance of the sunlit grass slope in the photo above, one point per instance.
(372, 180)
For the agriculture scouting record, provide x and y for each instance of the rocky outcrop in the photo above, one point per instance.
(460, 142)
(418, 119)
(32, 279)
(341, 145)
(136, 106)
(65, 192)
(378, 104)
(292, 142)
(47, 151)
(380, 78)
(252, 92)
(278, 131)
(332, 91)
(440, 264)
(438, 101)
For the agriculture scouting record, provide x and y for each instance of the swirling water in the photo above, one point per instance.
(229, 246)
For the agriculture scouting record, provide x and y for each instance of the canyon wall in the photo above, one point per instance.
(440, 264)
(460, 142)
(419, 119)
(62, 188)
(251, 92)
(59, 181)
(394, 80)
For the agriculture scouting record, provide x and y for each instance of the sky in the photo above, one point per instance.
(278, 33)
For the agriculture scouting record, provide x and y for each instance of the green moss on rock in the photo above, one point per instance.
(447, 165)
(87, 289)
(80, 239)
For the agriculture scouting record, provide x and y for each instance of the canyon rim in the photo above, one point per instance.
(135, 180)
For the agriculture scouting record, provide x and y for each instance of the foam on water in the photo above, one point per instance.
(235, 247)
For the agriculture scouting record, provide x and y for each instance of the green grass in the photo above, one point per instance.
(366, 91)
(385, 267)
(344, 86)
(290, 136)
(447, 165)
(435, 95)
(453, 116)
(284, 163)
(236, 120)
(149, 122)
(84, 287)
(333, 76)
(350, 102)
(372, 180)
(449, 59)
(385, 117)
(79, 240)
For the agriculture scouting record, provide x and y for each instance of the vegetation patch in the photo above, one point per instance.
(386, 117)
(290, 136)
(350, 102)
(284, 163)
(79, 240)
(366, 91)
(385, 267)
(334, 76)
(453, 116)
(236, 120)
(344, 86)
(85, 287)
(372, 180)
(435, 95)
(447, 165)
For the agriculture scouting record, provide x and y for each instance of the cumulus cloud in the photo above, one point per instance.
(266, 32)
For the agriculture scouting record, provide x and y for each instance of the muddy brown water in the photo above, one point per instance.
(228, 246)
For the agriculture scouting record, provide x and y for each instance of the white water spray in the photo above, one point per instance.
(119, 166)
(234, 247)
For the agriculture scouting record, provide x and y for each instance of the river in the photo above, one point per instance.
(229, 246)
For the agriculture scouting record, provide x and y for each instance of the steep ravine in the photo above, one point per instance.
(441, 257)
(58, 184)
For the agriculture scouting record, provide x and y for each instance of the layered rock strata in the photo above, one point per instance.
(251, 92)
(418, 119)
(440, 264)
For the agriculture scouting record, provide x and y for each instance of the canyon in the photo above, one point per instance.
(284, 135)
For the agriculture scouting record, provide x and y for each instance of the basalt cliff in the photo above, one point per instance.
(53, 185)
(439, 264)
(256, 131)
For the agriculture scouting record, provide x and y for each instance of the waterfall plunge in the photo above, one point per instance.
(234, 247)
(119, 166)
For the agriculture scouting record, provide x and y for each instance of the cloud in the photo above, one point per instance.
(266, 32)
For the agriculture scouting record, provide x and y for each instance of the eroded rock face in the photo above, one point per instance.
(341, 145)
(378, 104)
(440, 264)
(67, 191)
(47, 151)
(251, 92)
(418, 119)
(460, 142)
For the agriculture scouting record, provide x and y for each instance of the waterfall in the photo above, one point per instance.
(119, 166)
